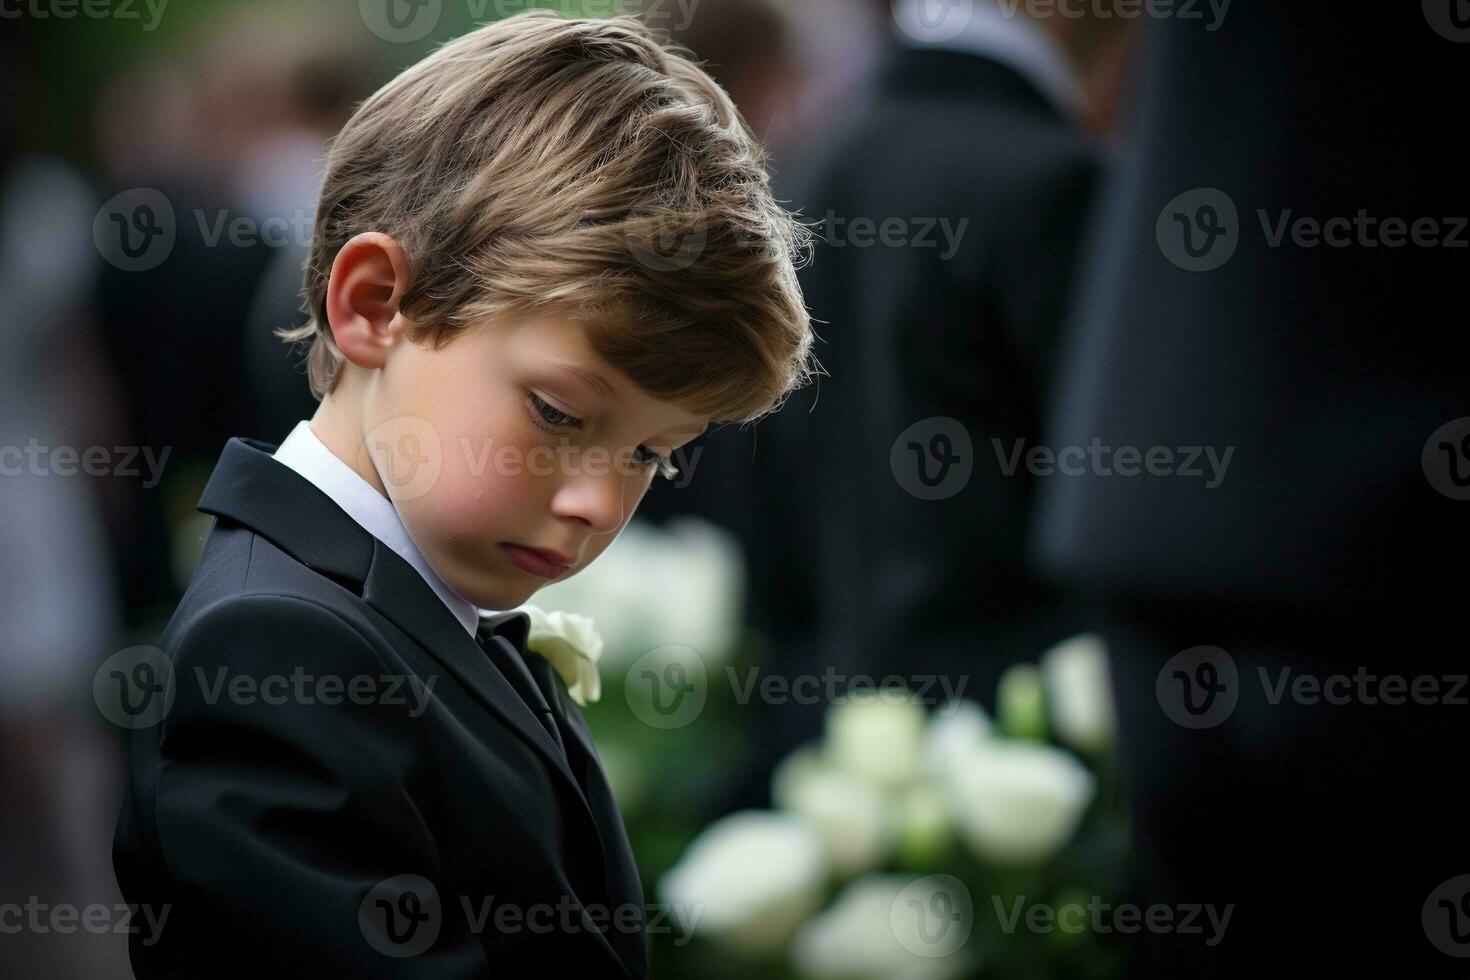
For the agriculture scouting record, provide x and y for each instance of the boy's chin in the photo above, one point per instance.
(507, 595)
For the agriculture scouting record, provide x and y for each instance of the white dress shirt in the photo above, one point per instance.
(1007, 35)
(307, 455)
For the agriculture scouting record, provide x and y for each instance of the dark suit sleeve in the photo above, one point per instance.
(276, 820)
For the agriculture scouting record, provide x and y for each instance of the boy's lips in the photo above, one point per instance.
(537, 561)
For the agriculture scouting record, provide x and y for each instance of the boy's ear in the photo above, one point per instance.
(367, 282)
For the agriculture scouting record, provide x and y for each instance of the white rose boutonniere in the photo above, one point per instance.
(573, 646)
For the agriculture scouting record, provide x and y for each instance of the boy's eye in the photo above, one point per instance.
(553, 415)
(666, 467)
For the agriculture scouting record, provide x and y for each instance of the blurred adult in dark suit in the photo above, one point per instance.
(1326, 360)
(171, 321)
(951, 200)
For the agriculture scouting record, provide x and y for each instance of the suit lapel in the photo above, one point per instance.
(394, 589)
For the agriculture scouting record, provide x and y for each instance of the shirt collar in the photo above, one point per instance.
(1008, 36)
(305, 453)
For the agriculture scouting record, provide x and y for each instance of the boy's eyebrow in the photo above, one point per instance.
(595, 380)
(591, 378)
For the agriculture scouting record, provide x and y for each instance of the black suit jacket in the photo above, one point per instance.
(913, 332)
(279, 831)
(1325, 550)
(1326, 368)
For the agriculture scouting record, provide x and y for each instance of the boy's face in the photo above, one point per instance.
(495, 440)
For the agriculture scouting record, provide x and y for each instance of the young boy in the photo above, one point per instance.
(545, 258)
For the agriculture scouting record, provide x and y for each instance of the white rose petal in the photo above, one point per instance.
(1076, 677)
(878, 735)
(953, 731)
(749, 879)
(573, 645)
(868, 934)
(1018, 802)
(847, 811)
(700, 584)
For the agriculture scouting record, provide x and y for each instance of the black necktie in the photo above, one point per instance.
(521, 669)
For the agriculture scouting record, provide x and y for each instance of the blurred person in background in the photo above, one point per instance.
(1256, 625)
(976, 144)
(175, 358)
(57, 599)
(228, 135)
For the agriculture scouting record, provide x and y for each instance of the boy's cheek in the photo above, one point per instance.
(467, 510)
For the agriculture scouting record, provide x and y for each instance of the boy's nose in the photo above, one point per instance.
(597, 499)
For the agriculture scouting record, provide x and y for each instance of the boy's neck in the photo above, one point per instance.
(338, 424)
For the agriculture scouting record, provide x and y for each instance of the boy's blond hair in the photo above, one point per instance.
(580, 167)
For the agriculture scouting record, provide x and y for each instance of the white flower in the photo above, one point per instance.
(873, 931)
(749, 879)
(573, 646)
(1076, 676)
(953, 731)
(878, 734)
(1018, 802)
(699, 585)
(849, 812)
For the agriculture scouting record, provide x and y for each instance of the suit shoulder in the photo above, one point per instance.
(239, 564)
(265, 630)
